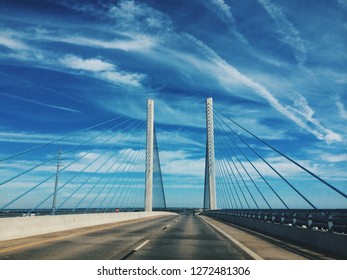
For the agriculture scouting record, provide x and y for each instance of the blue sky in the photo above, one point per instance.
(276, 67)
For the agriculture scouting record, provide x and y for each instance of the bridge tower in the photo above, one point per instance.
(149, 156)
(210, 176)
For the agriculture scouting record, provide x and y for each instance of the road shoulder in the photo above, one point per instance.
(261, 248)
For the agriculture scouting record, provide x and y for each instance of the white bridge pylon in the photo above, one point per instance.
(210, 174)
(149, 156)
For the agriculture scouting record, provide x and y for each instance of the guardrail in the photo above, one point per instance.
(324, 230)
(329, 220)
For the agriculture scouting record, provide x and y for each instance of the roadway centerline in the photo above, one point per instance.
(134, 250)
(144, 243)
(165, 227)
(140, 246)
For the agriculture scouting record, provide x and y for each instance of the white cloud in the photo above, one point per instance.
(99, 68)
(127, 14)
(40, 103)
(178, 139)
(124, 78)
(180, 163)
(343, 3)
(91, 64)
(104, 70)
(334, 157)
(133, 42)
(138, 43)
(223, 11)
(172, 155)
(223, 71)
(304, 110)
(12, 43)
(341, 109)
(25, 137)
(179, 167)
(138, 15)
(290, 34)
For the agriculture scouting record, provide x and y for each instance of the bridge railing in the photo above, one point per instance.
(327, 220)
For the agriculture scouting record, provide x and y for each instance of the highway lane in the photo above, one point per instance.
(190, 238)
(173, 237)
(93, 243)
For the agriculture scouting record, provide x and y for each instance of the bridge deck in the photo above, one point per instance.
(178, 237)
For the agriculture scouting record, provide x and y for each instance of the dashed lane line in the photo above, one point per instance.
(140, 246)
(134, 250)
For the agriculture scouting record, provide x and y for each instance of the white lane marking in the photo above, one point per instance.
(236, 242)
(166, 227)
(140, 246)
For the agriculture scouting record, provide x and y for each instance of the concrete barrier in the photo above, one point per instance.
(328, 242)
(13, 228)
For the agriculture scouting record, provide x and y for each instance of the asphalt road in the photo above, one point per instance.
(173, 237)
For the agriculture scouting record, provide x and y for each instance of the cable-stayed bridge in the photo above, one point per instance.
(112, 169)
(98, 169)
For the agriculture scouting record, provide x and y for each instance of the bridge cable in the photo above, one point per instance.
(126, 182)
(139, 156)
(122, 185)
(284, 179)
(139, 196)
(91, 189)
(59, 139)
(231, 158)
(256, 169)
(288, 158)
(53, 175)
(240, 162)
(80, 172)
(122, 171)
(110, 189)
(117, 185)
(229, 168)
(237, 181)
(55, 157)
(225, 174)
(99, 168)
(225, 188)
